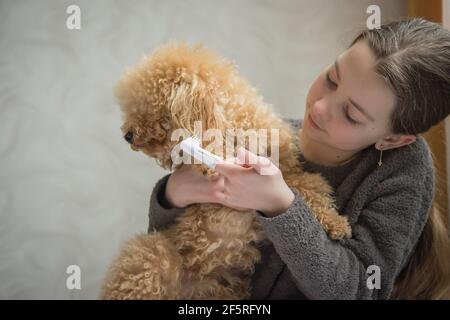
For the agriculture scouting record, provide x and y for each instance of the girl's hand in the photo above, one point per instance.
(186, 186)
(259, 185)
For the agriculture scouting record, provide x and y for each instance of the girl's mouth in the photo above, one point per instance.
(312, 123)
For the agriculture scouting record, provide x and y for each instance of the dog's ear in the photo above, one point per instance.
(193, 100)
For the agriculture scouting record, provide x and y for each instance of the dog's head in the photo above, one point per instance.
(171, 89)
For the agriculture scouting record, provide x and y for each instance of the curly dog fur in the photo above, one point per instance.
(211, 250)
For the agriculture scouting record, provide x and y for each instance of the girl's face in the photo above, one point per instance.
(349, 103)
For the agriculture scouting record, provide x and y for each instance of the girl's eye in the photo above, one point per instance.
(331, 83)
(348, 116)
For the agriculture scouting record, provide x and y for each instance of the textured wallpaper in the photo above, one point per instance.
(71, 190)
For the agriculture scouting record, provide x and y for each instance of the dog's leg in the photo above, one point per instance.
(148, 267)
(337, 226)
(218, 246)
(317, 193)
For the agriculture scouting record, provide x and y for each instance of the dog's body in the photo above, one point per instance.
(211, 250)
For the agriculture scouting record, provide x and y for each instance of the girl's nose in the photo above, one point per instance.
(319, 109)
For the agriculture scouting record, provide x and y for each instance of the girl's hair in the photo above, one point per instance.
(413, 56)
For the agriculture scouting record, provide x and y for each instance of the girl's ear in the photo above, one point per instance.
(396, 141)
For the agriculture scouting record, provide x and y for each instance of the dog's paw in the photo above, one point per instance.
(339, 228)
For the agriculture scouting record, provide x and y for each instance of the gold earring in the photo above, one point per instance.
(380, 162)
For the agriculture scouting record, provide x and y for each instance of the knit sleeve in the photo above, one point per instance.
(161, 214)
(384, 236)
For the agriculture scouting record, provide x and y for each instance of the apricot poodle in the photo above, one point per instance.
(211, 250)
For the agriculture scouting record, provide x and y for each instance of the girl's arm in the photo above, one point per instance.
(384, 236)
(161, 213)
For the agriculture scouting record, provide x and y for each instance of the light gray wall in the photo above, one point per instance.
(71, 189)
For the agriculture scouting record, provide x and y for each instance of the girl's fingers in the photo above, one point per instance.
(249, 159)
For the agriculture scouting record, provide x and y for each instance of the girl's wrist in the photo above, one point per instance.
(168, 194)
(286, 200)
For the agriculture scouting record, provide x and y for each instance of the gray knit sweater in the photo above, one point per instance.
(387, 208)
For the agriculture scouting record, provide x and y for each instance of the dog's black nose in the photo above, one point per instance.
(129, 137)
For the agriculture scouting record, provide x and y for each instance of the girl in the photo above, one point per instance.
(361, 130)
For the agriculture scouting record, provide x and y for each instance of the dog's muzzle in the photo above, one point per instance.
(129, 137)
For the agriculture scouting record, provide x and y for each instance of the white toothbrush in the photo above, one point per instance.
(192, 147)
